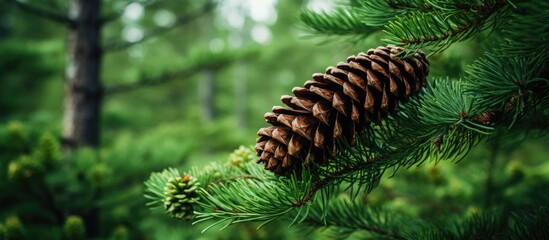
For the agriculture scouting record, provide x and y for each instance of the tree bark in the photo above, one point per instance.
(83, 90)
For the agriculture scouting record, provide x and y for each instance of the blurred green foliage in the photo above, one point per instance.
(153, 128)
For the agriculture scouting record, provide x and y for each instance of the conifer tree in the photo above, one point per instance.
(381, 112)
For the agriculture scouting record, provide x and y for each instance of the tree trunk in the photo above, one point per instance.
(83, 91)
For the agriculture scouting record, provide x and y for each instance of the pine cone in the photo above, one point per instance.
(180, 195)
(338, 104)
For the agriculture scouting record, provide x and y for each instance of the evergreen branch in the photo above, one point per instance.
(154, 187)
(203, 61)
(380, 12)
(316, 186)
(341, 21)
(181, 20)
(361, 165)
(506, 84)
(528, 32)
(440, 29)
(158, 80)
(488, 224)
(530, 225)
(40, 12)
(492, 224)
(348, 216)
(114, 14)
(263, 198)
(441, 114)
(418, 5)
(45, 198)
(221, 181)
(481, 6)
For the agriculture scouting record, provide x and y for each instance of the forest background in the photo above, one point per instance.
(187, 93)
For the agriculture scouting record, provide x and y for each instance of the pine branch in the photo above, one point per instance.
(180, 21)
(441, 113)
(40, 12)
(114, 14)
(507, 84)
(245, 200)
(203, 61)
(407, 140)
(527, 31)
(312, 192)
(349, 216)
(530, 224)
(451, 23)
(45, 197)
(381, 12)
(492, 224)
(341, 21)
(443, 123)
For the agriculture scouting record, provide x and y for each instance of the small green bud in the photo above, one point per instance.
(24, 167)
(99, 173)
(14, 229)
(2, 232)
(74, 228)
(213, 169)
(48, 150)
(434, 174)
(472, 210)
(120, 233)
(15, 129)
(173, 193)
(180, 195)
(241, 156)
(516, 172)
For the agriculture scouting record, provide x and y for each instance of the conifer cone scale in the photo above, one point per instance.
(340, 103)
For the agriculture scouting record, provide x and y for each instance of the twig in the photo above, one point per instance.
(116, 46)
(232, 178)
(114, 14)
(45, 198)
(381, 232)
(485, 12)
(52, 16)
(162, 78)
(405, 5)
(318, 185)
(362, 227)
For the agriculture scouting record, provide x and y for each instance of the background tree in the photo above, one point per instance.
(84, 87)
(84, 90)
(500, 99)
(149, 120)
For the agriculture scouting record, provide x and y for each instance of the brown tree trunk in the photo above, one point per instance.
(83, 91)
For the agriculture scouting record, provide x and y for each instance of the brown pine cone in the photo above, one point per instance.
(338, 104)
